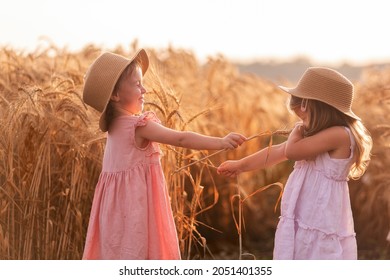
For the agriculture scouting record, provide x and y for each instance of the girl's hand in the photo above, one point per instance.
(297, 132)
(229, 168)
(232, 140)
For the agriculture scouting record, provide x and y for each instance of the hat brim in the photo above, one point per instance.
(291, 91)
(102, 121)
(296, 93)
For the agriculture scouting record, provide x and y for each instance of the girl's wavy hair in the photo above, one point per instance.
(322, 116)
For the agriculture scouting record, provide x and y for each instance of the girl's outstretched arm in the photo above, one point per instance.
(155, 132)
(262, 159)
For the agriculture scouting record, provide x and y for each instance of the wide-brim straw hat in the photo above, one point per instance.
(326, 85)
(102, 76)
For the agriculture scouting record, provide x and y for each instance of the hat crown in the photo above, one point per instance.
(328, 86)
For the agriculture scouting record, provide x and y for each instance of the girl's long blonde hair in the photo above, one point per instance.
(322, 116)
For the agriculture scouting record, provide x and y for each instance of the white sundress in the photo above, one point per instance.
(316, 218)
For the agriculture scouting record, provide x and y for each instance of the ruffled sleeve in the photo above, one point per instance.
(153, 147)
(145, 117)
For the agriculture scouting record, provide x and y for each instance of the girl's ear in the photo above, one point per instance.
(114, 98)
(304, 105)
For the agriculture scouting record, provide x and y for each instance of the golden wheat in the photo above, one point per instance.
(52, 149)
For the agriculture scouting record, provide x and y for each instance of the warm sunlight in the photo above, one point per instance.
(193, 138)
(325, 31)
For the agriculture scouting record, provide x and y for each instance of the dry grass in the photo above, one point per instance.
(371, 195)
(51, 157)
(52, 149)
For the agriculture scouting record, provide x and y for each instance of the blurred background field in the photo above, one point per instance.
(51, 151)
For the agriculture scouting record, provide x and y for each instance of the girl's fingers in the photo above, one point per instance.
(227, 173)
(239, 139)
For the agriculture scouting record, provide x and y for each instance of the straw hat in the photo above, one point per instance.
(102, 76)
(326, 85)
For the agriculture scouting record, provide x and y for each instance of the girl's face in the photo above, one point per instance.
(130, 94)
(296, 104)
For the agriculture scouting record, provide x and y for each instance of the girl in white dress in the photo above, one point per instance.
(329, 146)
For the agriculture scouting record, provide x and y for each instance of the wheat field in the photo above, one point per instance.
(51, 151)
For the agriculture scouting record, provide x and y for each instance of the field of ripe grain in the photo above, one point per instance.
(51, 151)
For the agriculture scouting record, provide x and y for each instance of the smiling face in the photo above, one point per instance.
(129, 94)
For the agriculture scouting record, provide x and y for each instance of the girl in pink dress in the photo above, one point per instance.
(329, 146)
(131, 216)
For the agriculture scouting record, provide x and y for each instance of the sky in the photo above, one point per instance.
(325, 31)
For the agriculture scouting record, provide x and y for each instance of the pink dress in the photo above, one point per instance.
(131, 216)
(316, 218)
